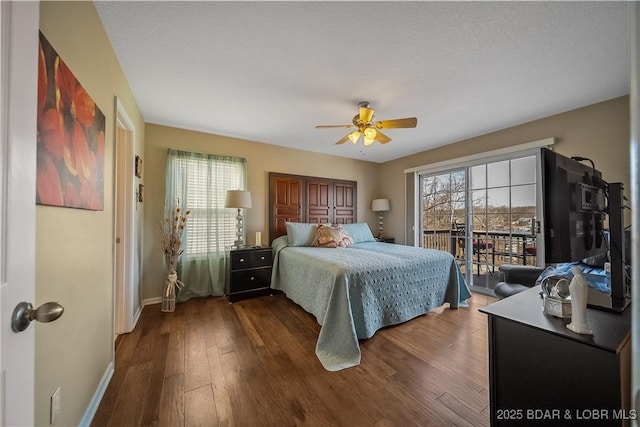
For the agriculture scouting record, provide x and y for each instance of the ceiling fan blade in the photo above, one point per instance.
(334, 126)
(343, 140)
(382, 138)
(366, 114)
(409, 122)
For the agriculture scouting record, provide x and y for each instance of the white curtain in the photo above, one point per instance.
(198, 182)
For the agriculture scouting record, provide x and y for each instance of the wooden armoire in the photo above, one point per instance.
(298, 198)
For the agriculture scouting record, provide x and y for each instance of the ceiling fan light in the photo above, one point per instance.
(370, 133)
(367, 140)
(354, 136)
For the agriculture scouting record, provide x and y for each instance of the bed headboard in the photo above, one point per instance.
(299, 198)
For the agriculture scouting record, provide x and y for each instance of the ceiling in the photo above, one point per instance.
(271, 71)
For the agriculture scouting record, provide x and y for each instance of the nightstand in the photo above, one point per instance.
(248, 272)
(386, 239)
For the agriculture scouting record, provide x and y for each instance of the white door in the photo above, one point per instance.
(125, 300)
(127, 264)
(19, 23)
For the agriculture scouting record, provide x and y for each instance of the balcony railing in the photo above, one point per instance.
(489, 248)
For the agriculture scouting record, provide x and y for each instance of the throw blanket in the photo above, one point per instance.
(597, 278)
(355, 291)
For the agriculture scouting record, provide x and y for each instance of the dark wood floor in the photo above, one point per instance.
(253, 363)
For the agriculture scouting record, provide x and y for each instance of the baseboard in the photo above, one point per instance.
(97, 397)
(149, 301)
(136, 317)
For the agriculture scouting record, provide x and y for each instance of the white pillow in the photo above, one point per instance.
(359, 232)
(300, 233)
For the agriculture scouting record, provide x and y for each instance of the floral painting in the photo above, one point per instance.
(70, 169)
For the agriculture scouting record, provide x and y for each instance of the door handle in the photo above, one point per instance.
(24, 313)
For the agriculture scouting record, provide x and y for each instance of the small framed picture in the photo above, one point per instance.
(138, 167)
(140, 193)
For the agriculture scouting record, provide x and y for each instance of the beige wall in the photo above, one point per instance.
(74, 248)
(599, 132)
(261, 159)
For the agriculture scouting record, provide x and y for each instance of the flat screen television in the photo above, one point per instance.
(575, 203)
(573, 208)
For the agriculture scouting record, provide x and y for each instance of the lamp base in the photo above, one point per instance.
(239, 243)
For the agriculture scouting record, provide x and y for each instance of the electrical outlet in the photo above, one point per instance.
(56, 405)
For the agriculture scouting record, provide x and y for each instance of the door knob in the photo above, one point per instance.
(24, 313)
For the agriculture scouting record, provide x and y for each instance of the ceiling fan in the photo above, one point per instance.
(368, 128)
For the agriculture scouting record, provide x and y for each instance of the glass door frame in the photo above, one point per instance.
(467, 163)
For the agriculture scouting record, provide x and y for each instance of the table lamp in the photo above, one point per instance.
(380, 206)
(239, 199)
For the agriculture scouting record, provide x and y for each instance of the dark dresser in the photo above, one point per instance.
(541, 373)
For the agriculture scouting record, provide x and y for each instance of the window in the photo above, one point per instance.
(200, 182)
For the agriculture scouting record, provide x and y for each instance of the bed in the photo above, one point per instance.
(354, 291)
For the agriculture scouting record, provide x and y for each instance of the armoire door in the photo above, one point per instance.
(287, 203)
(344, 203)
(319, 201)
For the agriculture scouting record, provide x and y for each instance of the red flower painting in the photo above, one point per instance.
(70, 169)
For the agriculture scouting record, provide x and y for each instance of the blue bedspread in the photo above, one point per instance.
(355, 291)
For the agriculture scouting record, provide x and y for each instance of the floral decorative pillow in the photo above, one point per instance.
(331, 237)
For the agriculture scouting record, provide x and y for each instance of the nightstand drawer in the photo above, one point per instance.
(246, 280)
(250, 259)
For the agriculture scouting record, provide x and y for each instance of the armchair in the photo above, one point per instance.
(515, 279)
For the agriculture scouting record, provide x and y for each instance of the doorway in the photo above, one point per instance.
(126, 295)
(484, 213)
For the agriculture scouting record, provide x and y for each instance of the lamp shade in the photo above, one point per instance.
(354, 136)
(238, 199)
(380, 205)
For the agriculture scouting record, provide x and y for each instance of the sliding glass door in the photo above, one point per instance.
(483, 213)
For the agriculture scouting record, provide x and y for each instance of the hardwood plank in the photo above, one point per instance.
(104, 411)
(127, 410)
(241, 312)
(220, 395)
(151, 413)
(241, 396)
(305, 406)
(172, 402)
(199, 407)
(125, 350)
(175, 353)
(472, 416)
(252, 363)
(196, 364)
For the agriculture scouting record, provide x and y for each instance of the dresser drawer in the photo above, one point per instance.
(250, 259)
(246, 280)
